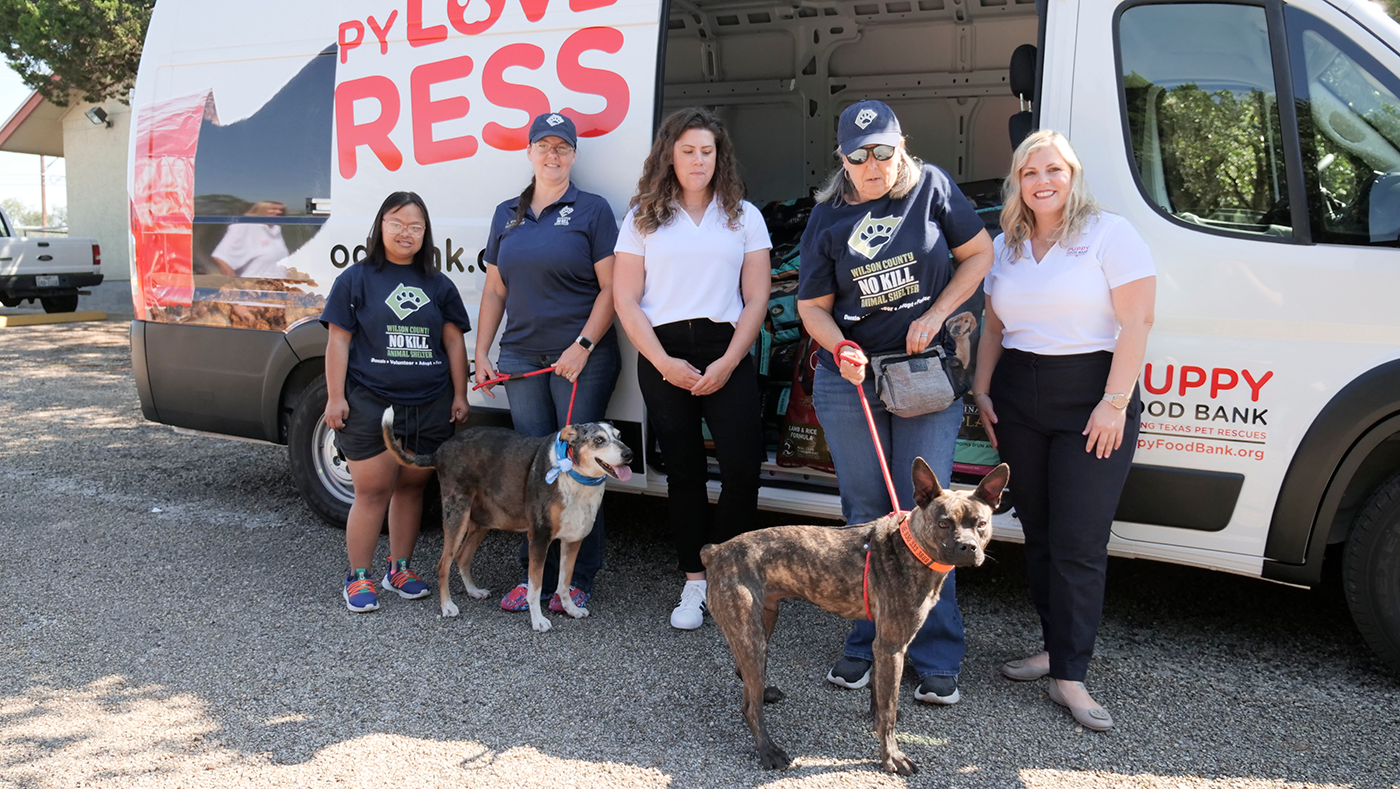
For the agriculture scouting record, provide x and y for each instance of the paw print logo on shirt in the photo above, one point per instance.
(871, 235)
(406, 300)
(564, 215)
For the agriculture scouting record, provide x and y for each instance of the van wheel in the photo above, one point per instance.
(321, 473)
(10, 301)
(59, 303)
(1371, 572)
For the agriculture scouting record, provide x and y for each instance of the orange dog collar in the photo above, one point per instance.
(918, 551)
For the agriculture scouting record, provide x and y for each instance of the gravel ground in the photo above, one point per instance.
(177, 622)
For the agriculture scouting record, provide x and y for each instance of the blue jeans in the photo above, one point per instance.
(937, 649)
(539, 406)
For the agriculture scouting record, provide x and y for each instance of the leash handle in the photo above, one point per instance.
(500, 377)
(870, 421)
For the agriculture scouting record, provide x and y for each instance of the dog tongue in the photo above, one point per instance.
(623, 473)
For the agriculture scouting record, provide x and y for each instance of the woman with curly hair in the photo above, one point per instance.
(691, 284)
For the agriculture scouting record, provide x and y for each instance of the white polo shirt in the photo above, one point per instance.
(1062, 305)
(692, 271)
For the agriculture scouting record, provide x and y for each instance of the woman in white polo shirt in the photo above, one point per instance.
(691, 285)
(1070, 296)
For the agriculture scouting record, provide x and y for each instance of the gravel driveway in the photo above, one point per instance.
(175, 621)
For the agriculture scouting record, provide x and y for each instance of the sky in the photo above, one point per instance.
(19, 173)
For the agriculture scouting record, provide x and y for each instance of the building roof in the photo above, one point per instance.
(36, 128)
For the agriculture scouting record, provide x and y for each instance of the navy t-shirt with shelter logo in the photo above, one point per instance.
(395, 317)
(546, 263)
(885, 260)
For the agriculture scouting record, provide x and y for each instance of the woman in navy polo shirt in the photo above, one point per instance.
(877, 269)
(549, 261)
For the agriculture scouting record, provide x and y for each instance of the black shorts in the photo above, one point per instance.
(421, 428)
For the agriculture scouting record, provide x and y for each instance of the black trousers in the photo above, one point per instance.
(732, 414)
(1065, 497)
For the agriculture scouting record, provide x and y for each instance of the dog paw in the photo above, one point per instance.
(449, 608)
(540, 624)
(771, 694)
(476, 592)
(897, 762)
(773, 758)
(577, 613)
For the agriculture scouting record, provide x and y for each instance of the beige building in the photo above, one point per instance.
(94, 148)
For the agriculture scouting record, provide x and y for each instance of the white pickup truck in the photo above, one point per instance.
(48, 269)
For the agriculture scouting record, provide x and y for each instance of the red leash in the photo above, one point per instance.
(904, 531)
(568, 419)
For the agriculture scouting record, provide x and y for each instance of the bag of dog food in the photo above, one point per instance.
(803, 442)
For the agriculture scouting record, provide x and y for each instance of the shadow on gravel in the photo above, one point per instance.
(175, 619)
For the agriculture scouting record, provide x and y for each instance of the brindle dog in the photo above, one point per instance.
(749, 574)
(493, 478)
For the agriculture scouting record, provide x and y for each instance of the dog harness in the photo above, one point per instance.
(563, 453)
(914, 548)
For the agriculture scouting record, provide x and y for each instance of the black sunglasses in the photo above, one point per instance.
(883, 153)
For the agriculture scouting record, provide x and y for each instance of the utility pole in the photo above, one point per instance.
(43, 193)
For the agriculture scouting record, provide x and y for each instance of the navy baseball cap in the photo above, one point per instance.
(552, 124)
(865, 123)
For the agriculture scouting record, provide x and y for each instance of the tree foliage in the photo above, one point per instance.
(91, 47)
(26, 215)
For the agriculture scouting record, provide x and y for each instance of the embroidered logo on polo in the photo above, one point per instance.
(871, 235)
(1077, 252)
(865, 117)
(406, 300)
(554, 120)
(564, 215)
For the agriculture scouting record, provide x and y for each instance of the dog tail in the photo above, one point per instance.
(396, 449)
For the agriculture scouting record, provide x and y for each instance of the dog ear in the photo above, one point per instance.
(926, 487)
(991, 486)
(568, 434)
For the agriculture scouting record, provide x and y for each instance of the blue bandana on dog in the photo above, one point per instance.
(566, 464)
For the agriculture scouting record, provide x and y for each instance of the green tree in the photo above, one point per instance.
(91, 47)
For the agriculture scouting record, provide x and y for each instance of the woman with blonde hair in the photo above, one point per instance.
(691, 285)
(1068, 310)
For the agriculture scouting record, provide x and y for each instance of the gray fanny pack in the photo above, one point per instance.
(921, 383)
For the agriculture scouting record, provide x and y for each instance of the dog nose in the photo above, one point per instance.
(626, 455)
(966, 545)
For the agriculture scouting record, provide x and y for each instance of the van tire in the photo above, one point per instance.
(320, 472)
(1371, 573)
(59, 303)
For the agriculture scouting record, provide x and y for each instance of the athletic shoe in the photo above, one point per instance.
(689, 613)
(359, 591)
(399, 578)
(580, 599)
(517, 599)
(934, 689)
(850, 672)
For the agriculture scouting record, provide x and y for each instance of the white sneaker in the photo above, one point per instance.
(689, 613)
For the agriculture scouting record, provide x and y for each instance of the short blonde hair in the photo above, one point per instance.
(1017, 220)
(839, 190)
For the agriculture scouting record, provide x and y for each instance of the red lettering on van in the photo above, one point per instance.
(589, 5)
(611, 86)
(1166, 386)
(457, 18)
(347, 43)
(1218, 378)
(508, 94)
(419, 36)
(375, 134)
(1196, 376)
(1255, 386)
(427, 112)
(382, 33)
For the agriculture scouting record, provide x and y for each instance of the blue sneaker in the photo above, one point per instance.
(359, 591)
(399, 578)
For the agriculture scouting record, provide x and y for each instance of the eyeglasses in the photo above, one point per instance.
(396, 228)
(883, 153)
(542, 148)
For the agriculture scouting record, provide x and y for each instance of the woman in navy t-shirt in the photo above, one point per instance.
(549, 262)
(876, 269)
(396, 338)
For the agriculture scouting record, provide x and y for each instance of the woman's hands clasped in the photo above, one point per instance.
(1105, 429)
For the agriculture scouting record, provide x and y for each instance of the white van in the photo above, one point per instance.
(1255, 144)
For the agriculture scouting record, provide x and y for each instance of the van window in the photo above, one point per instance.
(1349, 123)
(1202, 106)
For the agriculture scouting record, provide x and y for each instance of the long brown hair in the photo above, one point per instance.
(658, 189)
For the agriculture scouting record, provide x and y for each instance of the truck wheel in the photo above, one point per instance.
(10, 301)
(59, 303)
(321, 473)
(1371, 572)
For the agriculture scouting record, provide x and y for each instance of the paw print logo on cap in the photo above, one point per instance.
(865, 117)
(554, 120)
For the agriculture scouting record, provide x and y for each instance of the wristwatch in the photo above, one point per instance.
(1119, 401)
(584, 343)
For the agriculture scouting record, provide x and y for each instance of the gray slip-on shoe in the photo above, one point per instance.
(1022, 671)
(1096, 718)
